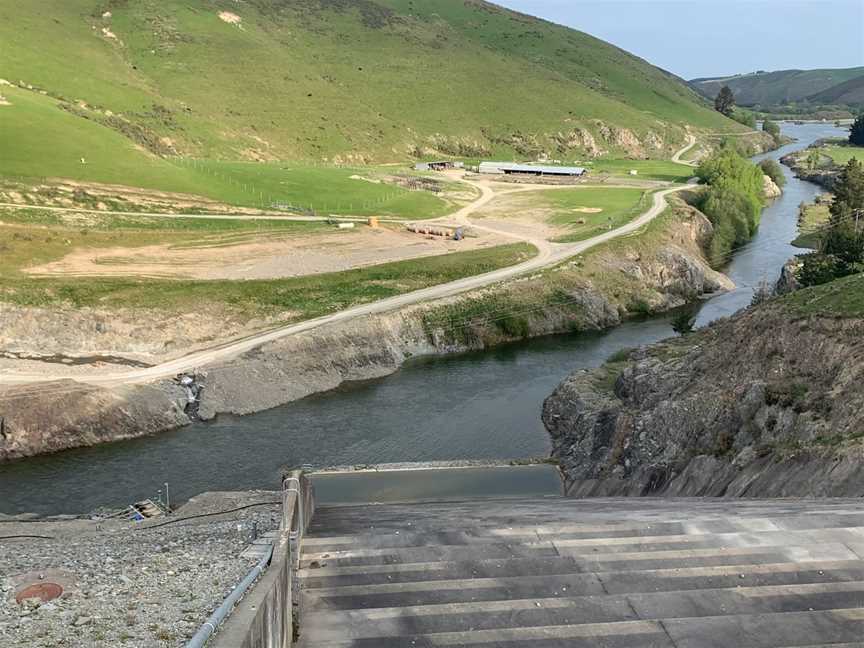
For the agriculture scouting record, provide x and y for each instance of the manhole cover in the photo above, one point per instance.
(42, 591)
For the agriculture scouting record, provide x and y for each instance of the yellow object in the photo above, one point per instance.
(373, 221)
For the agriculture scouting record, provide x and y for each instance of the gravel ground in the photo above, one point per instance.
(126, 586)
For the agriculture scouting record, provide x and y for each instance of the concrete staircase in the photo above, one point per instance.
(609, 573)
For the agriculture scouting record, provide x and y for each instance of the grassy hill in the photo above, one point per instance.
(850, 93)
(788, 86)
(337, 80)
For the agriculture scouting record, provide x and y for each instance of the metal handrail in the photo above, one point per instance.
(215, 620)
(284, 558)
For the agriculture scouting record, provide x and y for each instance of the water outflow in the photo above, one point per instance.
(471, 406)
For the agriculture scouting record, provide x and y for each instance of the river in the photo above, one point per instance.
(483, 405)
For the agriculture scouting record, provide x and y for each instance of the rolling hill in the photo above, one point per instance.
(332, 80)
(829, 86)
(849, 93)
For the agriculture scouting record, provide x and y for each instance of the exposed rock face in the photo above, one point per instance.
(788, 281)
(763, 404)
(90, 331)
(578, 139)
(770, 188)
(67, 414)
(622, 138)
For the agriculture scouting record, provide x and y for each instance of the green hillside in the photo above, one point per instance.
(850, 93)
(785, 86)
(336, 80)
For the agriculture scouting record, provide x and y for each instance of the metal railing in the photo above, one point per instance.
(269, 612)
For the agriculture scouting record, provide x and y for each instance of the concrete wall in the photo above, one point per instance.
(266, 616)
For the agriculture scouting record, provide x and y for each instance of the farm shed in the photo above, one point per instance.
(439, 165)
(510, 168)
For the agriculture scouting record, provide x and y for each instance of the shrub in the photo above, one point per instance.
(856, 135)
(744, 117)
(773, 170)
(817, 269)
(772, 128)
(733, 202)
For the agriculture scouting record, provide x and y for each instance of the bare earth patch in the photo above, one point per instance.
(587, 210)
(260, 258)
(230, 18)
(519, 213)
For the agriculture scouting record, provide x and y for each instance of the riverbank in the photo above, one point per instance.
(661, 269)
(735, 409)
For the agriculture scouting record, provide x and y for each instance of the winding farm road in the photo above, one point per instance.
(691, 142)
(549, 254)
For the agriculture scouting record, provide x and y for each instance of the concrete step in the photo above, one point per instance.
(419, 549)
(523, 613)
(612, 549)
(328, 575)
(570, 585)
(586, 573)
(347, 520)
(479, 534)
(773, 630)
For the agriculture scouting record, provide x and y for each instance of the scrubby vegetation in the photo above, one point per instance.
(733, 201)
(840, 251)
(773, 170)
(744, 117)
(773, 129)
(856, 134)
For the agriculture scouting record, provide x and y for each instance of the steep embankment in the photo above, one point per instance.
(662, 268)
(66, 414)
(366, 80)
(765, 404)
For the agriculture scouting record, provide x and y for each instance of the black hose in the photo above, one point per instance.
(23, 537)
(203, 515)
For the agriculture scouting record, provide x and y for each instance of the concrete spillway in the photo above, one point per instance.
(559, 572)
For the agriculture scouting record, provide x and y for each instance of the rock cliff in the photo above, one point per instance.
(67, 414)
(765, 404)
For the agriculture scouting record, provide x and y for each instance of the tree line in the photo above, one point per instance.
(841, 247)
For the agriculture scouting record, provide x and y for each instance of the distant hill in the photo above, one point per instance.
(850, 93)
(838, 86)
(344, 80)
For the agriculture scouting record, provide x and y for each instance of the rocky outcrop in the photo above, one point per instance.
(68, 414)
(770, 188)
(788, 281)
(764, 404)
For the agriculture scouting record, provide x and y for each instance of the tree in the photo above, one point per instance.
(773, 170)
(813, 160)
(856, 135)
(725, 101)
(816, 269)
(772, 128)
(848, 193)
(684, 322)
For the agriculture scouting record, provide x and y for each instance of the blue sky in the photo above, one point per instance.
(696, 38)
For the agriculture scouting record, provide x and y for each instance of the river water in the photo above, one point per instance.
(483, 405)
